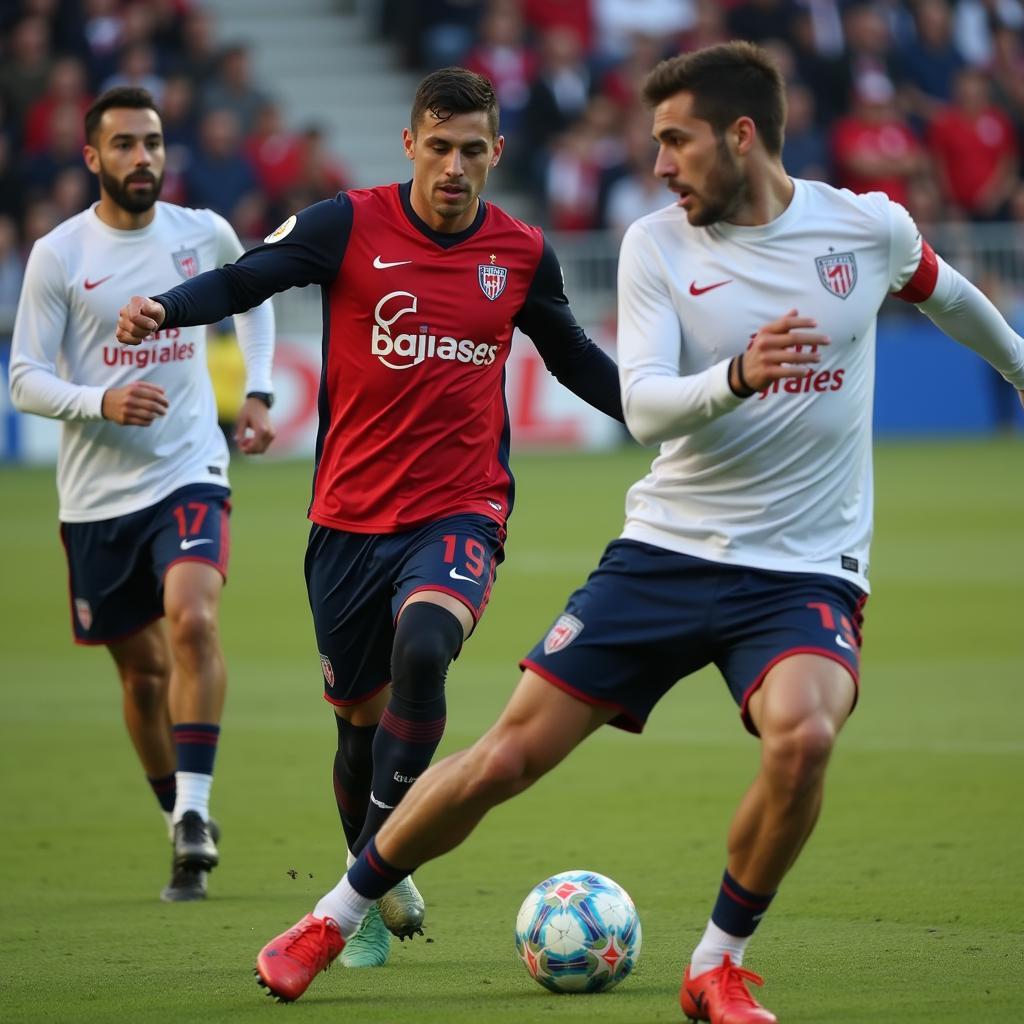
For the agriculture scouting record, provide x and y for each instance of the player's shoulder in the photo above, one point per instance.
(498, 218)
(68, 232)
(828, 201)
(189, 218)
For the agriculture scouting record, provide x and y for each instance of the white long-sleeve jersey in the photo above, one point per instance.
(782, 480)
(64, 357)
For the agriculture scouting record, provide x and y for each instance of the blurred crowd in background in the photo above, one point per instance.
(922, 99)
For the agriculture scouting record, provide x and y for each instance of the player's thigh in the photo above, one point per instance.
(192, 592)
(114, 593)
(541, 725)
(803, 689)
(349, 579)
(457, 557)
(629, 633)
(770, 621)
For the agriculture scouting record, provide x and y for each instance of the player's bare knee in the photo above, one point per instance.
(146, 688)
(193, 627)
(795, 757)
(499, 769)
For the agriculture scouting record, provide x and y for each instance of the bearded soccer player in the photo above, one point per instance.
(746, 338)
(142, 470)
(423, 284)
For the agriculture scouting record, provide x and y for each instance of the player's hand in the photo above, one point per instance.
(140, 318)
(783, 348)
(134, 405)
(1020, 395)
(253, 429)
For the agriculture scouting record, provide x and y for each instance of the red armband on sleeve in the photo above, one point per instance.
(922, 282)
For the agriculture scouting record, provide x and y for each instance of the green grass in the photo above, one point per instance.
(906, 906)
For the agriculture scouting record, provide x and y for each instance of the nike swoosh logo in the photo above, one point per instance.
(694, 290)
(381, 265)
(89, 285)
(381, 804)
(186, 544)
(456, 575)
(698, 999)
(842, 642)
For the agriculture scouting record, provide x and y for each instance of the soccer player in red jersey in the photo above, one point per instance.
(423, 284)
(747, 544)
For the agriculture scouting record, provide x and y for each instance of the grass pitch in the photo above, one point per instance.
(906, 905)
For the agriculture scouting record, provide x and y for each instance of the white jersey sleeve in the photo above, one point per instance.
(905, 247)
(254, 328)
(950, 301)
(36, 384)
(659, 403)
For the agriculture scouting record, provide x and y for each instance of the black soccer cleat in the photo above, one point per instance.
(187, 884)
(194, 844)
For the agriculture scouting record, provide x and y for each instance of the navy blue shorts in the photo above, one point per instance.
(358, 582)
(116, 567)
(647, 617)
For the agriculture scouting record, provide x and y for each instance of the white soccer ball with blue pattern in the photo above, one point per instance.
(578, 931)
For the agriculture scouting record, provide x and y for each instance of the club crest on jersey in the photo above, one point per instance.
(562, 633)
(837, 272)
(83, 612)
(187, 262)
(492, 279)
(328, 669)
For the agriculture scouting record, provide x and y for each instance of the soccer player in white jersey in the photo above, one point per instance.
(746, 334)
(142, 470)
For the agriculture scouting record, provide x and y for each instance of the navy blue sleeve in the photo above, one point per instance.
(567, 352)
(310, 252)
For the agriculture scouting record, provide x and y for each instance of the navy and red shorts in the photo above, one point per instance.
(647, 617)
(358, 582)
(116, 567)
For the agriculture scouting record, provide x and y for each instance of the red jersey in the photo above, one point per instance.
(417, 329)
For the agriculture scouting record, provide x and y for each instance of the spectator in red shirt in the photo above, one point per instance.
(975, 150)
(575, 15)
(67, 87)
(503, 56)
(274, 152)
(873, 148)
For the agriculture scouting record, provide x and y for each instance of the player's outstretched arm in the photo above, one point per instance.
(134, 405)
(253, 430)
(140, 318)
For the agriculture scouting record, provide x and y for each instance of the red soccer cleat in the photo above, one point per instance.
(286, 965)
(721, 997)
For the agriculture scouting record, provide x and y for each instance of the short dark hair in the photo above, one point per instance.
(455, 91)
(727, 81)
(120, 97)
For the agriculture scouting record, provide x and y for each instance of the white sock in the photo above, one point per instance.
(193, 794)
(713, 945)
(169, 818)
(350, 858)
(345, 906)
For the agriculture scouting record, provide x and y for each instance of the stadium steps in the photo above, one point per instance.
(320, 60)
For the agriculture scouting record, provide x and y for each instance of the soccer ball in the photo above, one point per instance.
(578, 932)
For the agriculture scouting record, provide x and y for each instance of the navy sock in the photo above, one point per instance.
(371, 875)
(738, 911)
(353, 768)
(165, 790)
(426, 640)
(196, 744)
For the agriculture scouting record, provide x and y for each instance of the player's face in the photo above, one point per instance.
(701, 167)
(451, 161)
(129, 157)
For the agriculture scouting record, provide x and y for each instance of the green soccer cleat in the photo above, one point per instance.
(402, 909)
(370, 946)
